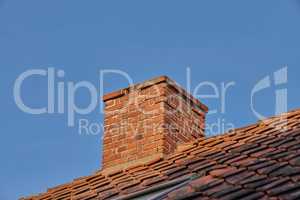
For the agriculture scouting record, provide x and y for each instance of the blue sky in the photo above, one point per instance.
(220, 41)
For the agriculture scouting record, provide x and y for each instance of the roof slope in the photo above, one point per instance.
(260, 161)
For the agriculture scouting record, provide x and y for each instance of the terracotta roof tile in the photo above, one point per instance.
(295, 161)
(282, 189)
(291, 195)
(227, 171)
(154, 180)
(260, 161)
(273, 183)
(182, 193)
(235, 193)
(257, 183)
(220, 190)
(254, 196)
(240, 176)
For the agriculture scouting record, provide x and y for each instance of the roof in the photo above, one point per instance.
(260, 161)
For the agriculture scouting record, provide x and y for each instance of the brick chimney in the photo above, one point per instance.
(147, 121)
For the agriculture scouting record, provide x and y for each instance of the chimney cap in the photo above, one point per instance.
(154, 81)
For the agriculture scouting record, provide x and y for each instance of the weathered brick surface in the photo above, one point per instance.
(149, 119)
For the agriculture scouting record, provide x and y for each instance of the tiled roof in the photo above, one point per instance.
(260, 161)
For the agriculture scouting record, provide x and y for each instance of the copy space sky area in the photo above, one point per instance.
(218, 41)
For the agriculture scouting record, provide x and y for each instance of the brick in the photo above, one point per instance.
(149, 118)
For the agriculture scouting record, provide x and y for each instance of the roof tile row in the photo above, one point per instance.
(260, 161)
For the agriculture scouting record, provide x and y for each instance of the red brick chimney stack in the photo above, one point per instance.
(148, 121)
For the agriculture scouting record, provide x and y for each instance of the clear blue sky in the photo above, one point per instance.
(241, 41)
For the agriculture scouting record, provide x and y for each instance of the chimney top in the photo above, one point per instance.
(151, 82)
(148, 121)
